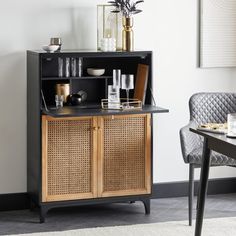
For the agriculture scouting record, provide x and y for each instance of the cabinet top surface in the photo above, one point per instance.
(69, 51)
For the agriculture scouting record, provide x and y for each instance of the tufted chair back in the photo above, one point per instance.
(211, 107)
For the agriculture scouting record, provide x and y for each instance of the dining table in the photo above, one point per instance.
(212, 142)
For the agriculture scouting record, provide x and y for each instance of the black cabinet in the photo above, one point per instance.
(72, 124)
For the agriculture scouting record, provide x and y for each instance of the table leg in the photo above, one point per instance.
(203, 187)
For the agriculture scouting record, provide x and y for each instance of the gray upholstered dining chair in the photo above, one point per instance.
(204, 108)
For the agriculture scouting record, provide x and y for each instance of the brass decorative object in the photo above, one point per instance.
(127, 34)
(128, 8)
(63, 89)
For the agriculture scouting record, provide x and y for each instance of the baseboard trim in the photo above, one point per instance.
(20, 201)
(14, 201)
(180, 189)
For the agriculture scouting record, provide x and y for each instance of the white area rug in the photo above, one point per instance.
(211, 227)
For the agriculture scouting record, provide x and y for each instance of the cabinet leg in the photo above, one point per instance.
(147, 204)
(32, 205)
(42, 214)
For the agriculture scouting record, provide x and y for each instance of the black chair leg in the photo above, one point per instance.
(190, 193)
(197, 198)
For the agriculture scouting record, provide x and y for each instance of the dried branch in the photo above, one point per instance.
(126, 7)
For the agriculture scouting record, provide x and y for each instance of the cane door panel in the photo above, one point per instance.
(69, 163)
(124, 155)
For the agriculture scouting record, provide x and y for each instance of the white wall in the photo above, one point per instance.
(168, 27)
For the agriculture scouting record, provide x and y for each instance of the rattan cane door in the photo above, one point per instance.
(69, 158)
(124, 155)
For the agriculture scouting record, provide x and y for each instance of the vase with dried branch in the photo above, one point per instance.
(128, 8)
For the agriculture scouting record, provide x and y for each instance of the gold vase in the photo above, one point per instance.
(127, 34)
(64, 90)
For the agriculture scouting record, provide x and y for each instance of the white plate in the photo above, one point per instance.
(216, 131)
(230, 135)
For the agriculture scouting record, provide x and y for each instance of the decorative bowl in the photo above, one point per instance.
(50, 48)
(95, 71)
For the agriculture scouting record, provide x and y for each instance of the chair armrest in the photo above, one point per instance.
(188, 140)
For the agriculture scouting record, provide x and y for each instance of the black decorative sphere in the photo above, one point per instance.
(75, 99)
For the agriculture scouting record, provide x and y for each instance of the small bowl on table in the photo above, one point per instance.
(50, 48)
(95, 71)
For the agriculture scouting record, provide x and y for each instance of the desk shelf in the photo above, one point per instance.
(78, 78)
(96, 110)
